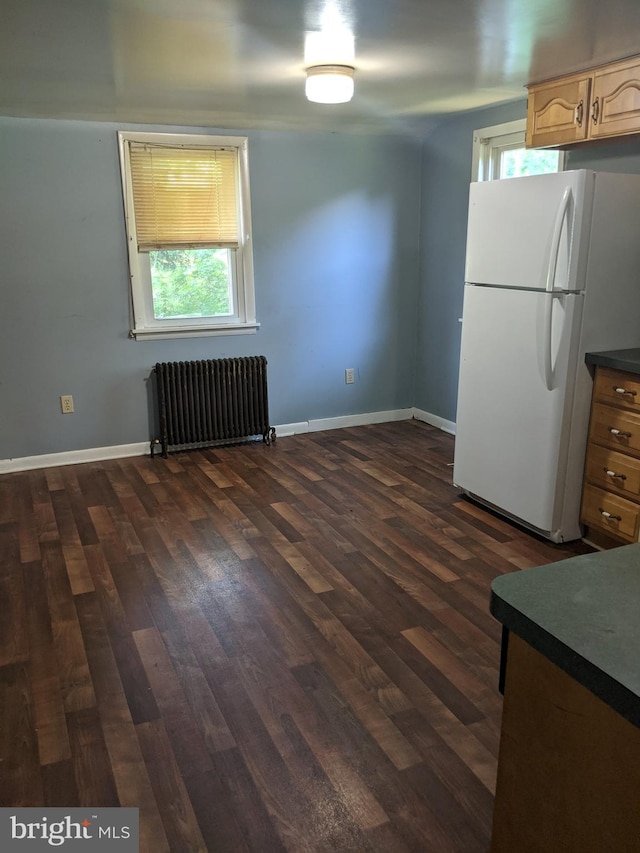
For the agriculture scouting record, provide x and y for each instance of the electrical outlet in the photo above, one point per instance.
(66, 404)
(350, 375)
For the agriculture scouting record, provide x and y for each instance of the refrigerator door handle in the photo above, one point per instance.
(547, 343)
(566, 204)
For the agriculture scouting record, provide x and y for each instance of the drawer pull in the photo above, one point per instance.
(613, 474)
(619, 434)
(624, 391)
(606, 514)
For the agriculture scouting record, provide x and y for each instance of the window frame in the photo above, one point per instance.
(144, 325)
(490, 142)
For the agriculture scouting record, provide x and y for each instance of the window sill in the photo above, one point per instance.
(154, 334)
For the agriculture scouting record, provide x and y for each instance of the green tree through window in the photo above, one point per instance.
(499, 152)
(190, 283)
(516, 162)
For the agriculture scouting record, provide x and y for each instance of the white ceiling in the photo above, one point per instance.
(241, 63)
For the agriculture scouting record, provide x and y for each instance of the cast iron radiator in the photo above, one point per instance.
(222, 400)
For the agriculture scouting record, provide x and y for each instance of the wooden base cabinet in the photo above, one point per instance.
(597, 104)
(569, 765)
(611, 492)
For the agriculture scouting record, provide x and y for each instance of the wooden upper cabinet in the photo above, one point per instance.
(557, 112)
(596, 104)
(615, 100)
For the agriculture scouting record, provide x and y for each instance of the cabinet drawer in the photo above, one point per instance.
(615, 428)
(617, 389)
(613, 471)
(610, 513)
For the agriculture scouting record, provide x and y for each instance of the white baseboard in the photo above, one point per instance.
(73, 457)
(435, 420)
(360, 420)
(141, 448)
(285, 430)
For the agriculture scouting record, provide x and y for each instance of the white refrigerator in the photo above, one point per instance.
(552, 272)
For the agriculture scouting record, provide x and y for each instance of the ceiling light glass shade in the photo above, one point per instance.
(329, 84)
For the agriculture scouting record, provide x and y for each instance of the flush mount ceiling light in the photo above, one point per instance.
(329, 84)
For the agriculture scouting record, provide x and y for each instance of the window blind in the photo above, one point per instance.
(184, 197)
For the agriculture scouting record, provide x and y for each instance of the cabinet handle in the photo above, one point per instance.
(595, 110)
(613, 474)
(624, 391)
(619, 434)
(606, 514)
(579, 113)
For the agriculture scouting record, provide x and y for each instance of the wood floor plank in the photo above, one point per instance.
(342, 826)
(59, 786)
(263, 648)
(347, 647)
(230, 810)
(91, 763)
(77, 569)
(30, 494)
(454, 670)
(288, 808)
(286, 714)
(396, 799)
(286, 626)
(20, 775)
(130, 773)
(81, 518)
(44, 677)
(116, 580)
(365, 707)
(286, 547)
(152, 594)
(73, 668)
(450, 767)
(9, 491)
(188, 741)
(14, 643)
(54, 478)
(176, 809)
(202, 702)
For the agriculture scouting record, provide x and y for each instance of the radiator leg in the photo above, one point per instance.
(270, 436)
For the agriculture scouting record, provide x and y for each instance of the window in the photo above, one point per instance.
(499, 152)
(187, 215)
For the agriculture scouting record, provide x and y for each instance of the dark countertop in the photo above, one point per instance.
(583, 614)
(616, 359)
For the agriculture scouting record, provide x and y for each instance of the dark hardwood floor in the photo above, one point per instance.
(262, 648)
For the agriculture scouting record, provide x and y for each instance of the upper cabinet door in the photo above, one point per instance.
(558, 112)
(615, 100)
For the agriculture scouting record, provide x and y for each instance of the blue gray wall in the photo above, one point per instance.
(446, 172)
(336, 254)
(359, 257)
(622, 156)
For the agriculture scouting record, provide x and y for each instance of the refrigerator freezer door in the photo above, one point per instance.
(512, 418)
(510, 237)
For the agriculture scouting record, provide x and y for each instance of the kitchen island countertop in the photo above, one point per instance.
(583, 614)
